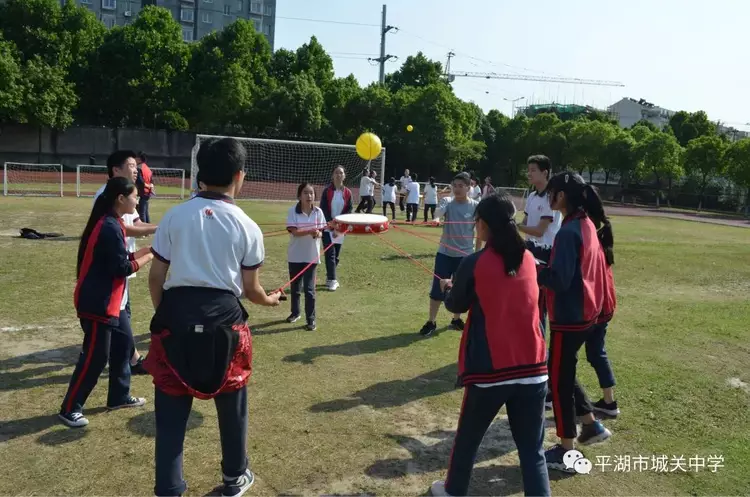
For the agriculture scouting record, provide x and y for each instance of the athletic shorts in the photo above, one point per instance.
(445, 267)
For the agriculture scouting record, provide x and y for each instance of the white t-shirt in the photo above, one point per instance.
(337, 207)
(304, 248)
(413, 195)
(389, 193)
(207, 242)
(404, 181)
(430, 194)
(475, 192)
(127, 220)
(366, 186)
(538, 208)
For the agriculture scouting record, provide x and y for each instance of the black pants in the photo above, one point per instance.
(568, 397)
(332, 256)
(411, 212)
(525, 407)
(171, 423)
(393, 209)
(401, 201)
(367, 203)
(101, 343)
(143, 212)
(306, 281)
(431, 208)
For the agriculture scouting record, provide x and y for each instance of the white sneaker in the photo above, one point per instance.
(130, 402)
(333, 285)
(235, 487)
(438, 489)
(73, 419)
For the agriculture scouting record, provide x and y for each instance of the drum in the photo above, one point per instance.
(361, 224)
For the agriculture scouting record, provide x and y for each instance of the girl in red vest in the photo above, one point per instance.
(502, 358)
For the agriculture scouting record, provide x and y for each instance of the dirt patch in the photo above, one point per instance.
(738, 383)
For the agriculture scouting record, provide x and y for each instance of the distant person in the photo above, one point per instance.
(207, 255)
(389, 197)
(487, 189)
(430, 199)
(403, 183)
(335, 200)
(412, 199)
(145, 185)
(101, 291)
(475, 192)
(366, 192)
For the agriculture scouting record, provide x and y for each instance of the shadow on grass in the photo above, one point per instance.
(28, 426)
(399, 257)
(269, 327)
(396, 392)
(359, 347)
(144, 424)
(61, 436)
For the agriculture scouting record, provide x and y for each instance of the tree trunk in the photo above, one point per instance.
(606, 177)
(703, 191)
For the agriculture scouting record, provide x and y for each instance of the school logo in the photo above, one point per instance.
(208, 213)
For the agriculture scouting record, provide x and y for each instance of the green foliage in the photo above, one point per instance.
(11, 81)
(688, 126)
(417, 71)
(704, 157)
(660, 154)
(737, 159)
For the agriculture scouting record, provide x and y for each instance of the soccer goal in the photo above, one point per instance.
(39, 180)
(168, 182)
(518, 194)
(274, 168)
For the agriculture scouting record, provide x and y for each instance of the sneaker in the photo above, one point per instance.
(458, 324)
(428, 329)
(73, 419)
(333, 285)
(554, 457)
(131, 402)
(609, 410)
(293, 318)
(593, 433)
(138, 368)
(311, 326)
(437, 489)
(235, 487)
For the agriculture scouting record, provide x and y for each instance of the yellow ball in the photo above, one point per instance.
(369, 146)
(410, 128)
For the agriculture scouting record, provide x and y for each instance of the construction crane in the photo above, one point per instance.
(451, 76)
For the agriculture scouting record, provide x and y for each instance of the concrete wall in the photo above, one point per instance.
(22, 143)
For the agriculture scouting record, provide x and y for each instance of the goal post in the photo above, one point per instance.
(518, 195)
(39, 180)
(168, 182)
(275, 168)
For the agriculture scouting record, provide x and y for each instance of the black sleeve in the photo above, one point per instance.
(111, 247)
(460, 297)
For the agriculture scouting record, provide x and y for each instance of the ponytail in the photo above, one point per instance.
(594, 208)
(498, 212)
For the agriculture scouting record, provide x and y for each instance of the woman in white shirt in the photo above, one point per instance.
(367, 191)
(475, 192)
(389, 197)
(412, 199)
(430, 199)
(305, 223)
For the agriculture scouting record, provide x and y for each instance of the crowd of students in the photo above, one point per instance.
(205, 257)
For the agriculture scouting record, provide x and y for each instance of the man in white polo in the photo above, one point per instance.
(122, 164)
(540, 222)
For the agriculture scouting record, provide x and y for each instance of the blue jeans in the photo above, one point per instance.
(525, 407)
(143, 211)
(597, 356)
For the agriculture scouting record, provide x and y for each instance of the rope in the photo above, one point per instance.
(302, 271)
(429, 240)
(408, 256)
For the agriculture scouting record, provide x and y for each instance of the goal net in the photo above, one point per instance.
(168, 182)
(275, 168)
(518, 194)
(44, 180)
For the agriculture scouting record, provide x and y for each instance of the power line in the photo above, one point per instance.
(328, 21)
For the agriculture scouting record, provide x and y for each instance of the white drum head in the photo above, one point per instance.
(361, 219)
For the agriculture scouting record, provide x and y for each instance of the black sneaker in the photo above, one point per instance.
(235, 487)
(138, 368)
(458, 324)
(555, 459)
(73, 419)
(293, 318)
(311, 326)
(609, 410)
(130, 402)
(428, 329)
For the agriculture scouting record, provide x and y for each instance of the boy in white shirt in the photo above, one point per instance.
(475, 192)
(305, 223)
(389, 197)
(367, 191)
(412, 199)
(430, 199)
(540, 222)
(403, 183)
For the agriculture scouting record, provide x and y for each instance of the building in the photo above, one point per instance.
(197, 17)
(629, 111)
(565, 112)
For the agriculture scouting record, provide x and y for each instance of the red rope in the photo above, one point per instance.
(296, 277)
(408, 256)
(430, 240)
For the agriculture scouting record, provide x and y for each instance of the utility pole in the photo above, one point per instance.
(384, 29)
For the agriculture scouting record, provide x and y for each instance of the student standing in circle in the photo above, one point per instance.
(389, 197)
(335, 200)
(430, 199)
(403, 183)
(540, 222)
(412, 199)
(579, 296)
(367, 191)
(104, 265)
(305, 223)
(502, 356)
(475, 192)
(207, 256)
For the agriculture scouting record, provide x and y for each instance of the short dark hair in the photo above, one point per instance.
(219, 160)
(465, 177)
(541, 161)
(117, 158)
(414, 176)
(142, 155)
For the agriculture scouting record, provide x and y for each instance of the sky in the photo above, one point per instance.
(678, 54)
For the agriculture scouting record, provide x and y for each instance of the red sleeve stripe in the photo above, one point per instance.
(135, 266)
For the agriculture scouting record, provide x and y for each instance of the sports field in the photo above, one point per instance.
(366, 406)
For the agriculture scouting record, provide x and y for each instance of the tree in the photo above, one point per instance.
(688, 126)
(299, 106)
(660, 154)
(589, 140)
(313, 59)
(737, 159)
(34, 27)
(704, 158)
(417, 71)
(620, 157)
(337, 97)
(11, 82)
(283, 63)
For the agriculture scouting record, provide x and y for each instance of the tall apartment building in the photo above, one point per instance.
(197, 17)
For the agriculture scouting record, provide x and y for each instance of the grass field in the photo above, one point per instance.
(364, 405)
